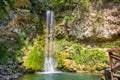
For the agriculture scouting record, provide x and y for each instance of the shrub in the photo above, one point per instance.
(112, 44)
(3, 9)
(82, 56)
(60, 57)
(3, 54)
(90, 56)
(34, 55)
(35, 59)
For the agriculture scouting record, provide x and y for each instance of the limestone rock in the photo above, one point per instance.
(101, 24)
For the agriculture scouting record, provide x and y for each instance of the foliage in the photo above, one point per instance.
(82, 56)
(35, 57)
(22, 4)
(68, 11)
(3, 54)
(13, 43)
(38, 6)
(82, 8)
(105, 1)
(61, 5)
(10, 50)
(69, 18)
(61, 57)
(90, 56)
(62, 45)
(62, 52)
(111, 44)
(3, 9)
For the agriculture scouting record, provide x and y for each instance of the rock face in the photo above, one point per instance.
(11, 71)
(20, 24)
(99, 24)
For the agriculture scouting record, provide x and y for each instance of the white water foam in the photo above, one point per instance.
(48, 72)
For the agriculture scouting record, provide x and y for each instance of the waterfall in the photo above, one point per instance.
(49, 65)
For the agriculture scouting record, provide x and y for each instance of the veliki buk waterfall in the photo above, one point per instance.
(50, 64)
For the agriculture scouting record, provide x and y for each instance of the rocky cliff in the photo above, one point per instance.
(99, 23)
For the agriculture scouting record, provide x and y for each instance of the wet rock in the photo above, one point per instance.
(11, 71)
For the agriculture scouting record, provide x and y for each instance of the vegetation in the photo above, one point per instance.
(111, 44)
(82, 56)
(10, 53)
(26, 46)
(3, 53)
(3, 9)
(34, 59)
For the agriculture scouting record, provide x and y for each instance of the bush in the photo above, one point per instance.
(112, 44)
(90, 56)
(3, 9)
(82, 56)
(3, 54)
(35, 60)
(61, 57)
(34, 55)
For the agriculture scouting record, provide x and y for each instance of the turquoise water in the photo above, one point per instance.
(60, 76)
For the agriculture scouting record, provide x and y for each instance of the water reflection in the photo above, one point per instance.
(48, 77)
(60, 76)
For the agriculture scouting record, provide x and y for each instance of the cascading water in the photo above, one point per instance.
(49, 65)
